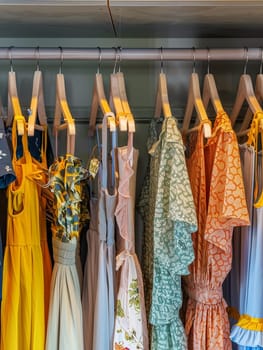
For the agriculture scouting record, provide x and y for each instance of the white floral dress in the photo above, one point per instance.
(130, 320)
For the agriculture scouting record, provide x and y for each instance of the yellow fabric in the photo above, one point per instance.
(250, 323)
(253, 141)
(22, 312)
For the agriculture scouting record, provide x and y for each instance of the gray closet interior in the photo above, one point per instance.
(128, 24)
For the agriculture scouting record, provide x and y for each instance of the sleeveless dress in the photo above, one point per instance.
(65, 326)
(130, 319)
(22, 313)
(90, 276)
(248, 331)
(105, 296)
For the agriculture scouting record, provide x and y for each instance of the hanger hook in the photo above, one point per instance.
(193, 59)
(116, 59)
(261, 63)
(61, 59)
(100, 55)
(10, 57)
(246, 62)
(119, 49)
(208, 60)
(38, 57)
(161, 58)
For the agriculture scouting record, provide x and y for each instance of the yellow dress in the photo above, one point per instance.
(22, 312)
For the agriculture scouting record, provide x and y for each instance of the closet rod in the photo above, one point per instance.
(129, 54)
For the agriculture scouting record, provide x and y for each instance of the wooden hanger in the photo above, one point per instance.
(245, 92)
(37, 106)
(125, 103)
(14, 107)
(62, 108)
(259, 96)
(116, 103)
(162, 104)
(99, 100)
(195, 101)
(249, 114)
(210, 93)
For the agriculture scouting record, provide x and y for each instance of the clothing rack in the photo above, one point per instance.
(130, 54)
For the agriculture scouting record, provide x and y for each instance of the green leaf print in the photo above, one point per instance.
(134, 300)
(119, 309)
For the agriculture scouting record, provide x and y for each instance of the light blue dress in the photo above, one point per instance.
(103, 329)
(250, 274)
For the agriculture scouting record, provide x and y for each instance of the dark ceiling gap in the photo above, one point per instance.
(111, 18)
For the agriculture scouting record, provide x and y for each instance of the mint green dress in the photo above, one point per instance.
(168, 229)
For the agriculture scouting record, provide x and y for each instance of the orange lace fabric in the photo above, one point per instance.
(218, 190)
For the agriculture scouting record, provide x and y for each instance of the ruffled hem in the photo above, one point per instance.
(246, 337)
(250, 323)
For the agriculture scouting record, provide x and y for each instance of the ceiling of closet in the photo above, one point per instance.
(99, 18)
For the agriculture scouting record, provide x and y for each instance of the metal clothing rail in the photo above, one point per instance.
(130, 54)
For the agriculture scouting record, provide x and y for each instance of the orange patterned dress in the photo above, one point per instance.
(218, 190)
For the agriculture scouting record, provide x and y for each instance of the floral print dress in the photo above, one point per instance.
(168, 211)
(130, 320)
(174, 221)
(218, 189)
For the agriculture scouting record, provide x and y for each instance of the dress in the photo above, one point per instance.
(248, 331)
(65, 327)
(40, 161)
(7, 176)
(218, 189)
(22, 313)
(90, 276)
(174, 221)
(105, 295)
(146, 208)
(130, 320)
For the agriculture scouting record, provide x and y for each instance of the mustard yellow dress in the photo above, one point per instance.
(22, 312)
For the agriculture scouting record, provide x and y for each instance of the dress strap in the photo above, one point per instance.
(105, 150)
(26, 153)
(253, 141)
(44, 147)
